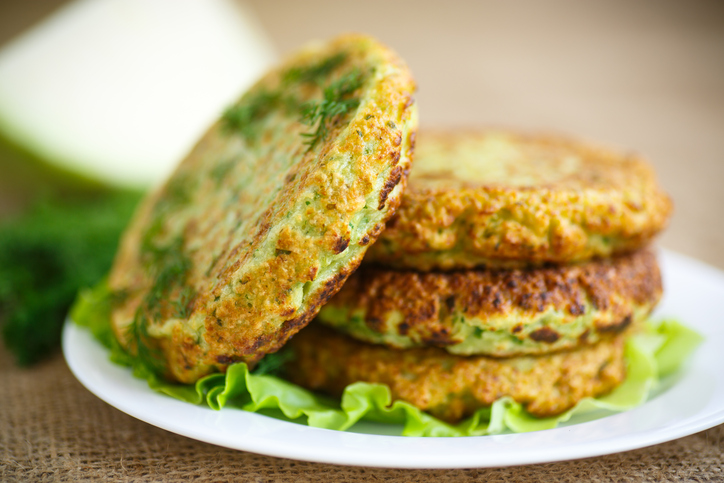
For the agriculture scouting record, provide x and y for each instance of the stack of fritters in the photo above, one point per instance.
(516, 266)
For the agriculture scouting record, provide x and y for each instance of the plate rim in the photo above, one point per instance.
(74, 337)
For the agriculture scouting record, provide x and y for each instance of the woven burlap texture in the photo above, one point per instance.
(53, 429)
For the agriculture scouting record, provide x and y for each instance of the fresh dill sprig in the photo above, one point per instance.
(182, 304)
(55, 248)
(146, 355)
(271, 364)
(336, 103)
(315, 73)
(243, 117)
(221, 170)
(169, 266)
(176, 193)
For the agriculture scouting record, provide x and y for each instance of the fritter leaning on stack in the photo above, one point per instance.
(268, 214)
(515, 266)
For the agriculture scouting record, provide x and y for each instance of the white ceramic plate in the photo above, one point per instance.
(693, 402)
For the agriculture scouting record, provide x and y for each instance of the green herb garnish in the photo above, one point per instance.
(46, 256)
(221, 170)
(334, 106)
(147, 355)
(272, 364)
(168, 266)
(176, 193)
(243, 117)
(315, 73)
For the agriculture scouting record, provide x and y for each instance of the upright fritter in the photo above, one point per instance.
(452, 387)
(500, 313)
(269, 213)
(501, 199)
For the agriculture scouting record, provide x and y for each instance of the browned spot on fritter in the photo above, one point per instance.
(288, 312)
(375, 232)
(576, 308)
(616, 326)
(497, 301)
(394, 178)
(292, 326)
(334, 284)
(450, 302)
(341, 243)
(413, 140)
(584, 336)
(402, 328)
(375, 324)
(545, 334)
(439, 338)
(517, 328)
(365, 240)
(251, 351)
(224, 359)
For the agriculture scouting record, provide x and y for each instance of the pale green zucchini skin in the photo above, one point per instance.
(123, 119)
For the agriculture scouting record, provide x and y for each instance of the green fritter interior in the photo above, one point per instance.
(269, 213)
(497, 313)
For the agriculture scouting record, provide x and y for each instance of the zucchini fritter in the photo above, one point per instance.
(452, 387)
(500, 312)
(269, 213)
(502, 199)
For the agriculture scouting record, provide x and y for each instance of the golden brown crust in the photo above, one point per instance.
(498, 312)
(452, 387)
(260, 224)
(503, 199)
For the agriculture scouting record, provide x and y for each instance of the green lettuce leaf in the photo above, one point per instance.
(650, 356)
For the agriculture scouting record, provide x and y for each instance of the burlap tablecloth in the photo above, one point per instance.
(646, 75)
(52, 429)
